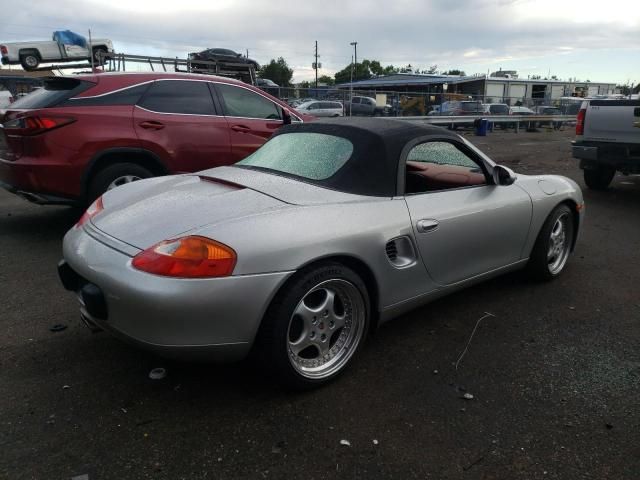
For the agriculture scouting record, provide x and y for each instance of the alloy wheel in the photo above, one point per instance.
(558, 248)
(326, 328)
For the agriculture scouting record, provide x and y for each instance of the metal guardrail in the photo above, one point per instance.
(466, 119)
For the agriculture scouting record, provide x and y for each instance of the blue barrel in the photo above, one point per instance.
(482, 126)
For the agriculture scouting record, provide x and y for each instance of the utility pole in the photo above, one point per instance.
(355, 55)
(316, 66)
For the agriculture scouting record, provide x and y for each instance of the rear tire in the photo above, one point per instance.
(553, 245)
(599, 178)
(114, 176)
(29, 61)
(97, 55)
(314, 327)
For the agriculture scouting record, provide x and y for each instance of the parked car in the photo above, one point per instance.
(222, 55)
(170, 263)
(462, 107)
(547, 110)
(66, 46)
(365, 106)
(607, 140)
(82, 135)
(496, 108)
(321, 108)
(268, 86)
(6, 98)
(520, 110)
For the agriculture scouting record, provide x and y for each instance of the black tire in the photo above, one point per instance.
(30, 61)
(104, 178)
(538, 266)
(272, 344)
(599, 178)
(97, 52)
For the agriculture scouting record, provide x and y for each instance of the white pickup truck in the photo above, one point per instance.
(31, 54)
(607, 140)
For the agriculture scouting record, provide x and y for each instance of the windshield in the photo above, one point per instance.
(314, 156)
(499, 109)
(471, 106)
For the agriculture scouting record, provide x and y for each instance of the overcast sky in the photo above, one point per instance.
(592, 40)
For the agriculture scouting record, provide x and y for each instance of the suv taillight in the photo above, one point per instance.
(4, 50)
(35, 124)
(582, 115)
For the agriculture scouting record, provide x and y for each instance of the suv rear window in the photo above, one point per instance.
(55, 91)
(499, 109)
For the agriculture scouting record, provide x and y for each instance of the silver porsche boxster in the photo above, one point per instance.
(296, 252)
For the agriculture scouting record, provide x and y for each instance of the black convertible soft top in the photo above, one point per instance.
(372, 168)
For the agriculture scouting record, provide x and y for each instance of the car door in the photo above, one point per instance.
(464, 225)
(252, 118)
(177, 120)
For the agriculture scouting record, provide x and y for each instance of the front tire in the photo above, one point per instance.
(114, 176)
(314, 326)
(599, 178)
(553, 245)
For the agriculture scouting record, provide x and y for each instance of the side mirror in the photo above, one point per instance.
(503, 175)
(286, 117)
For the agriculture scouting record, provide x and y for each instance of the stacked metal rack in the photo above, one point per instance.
(117, 62)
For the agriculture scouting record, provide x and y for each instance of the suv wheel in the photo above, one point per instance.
(599, 178)
(114, 176)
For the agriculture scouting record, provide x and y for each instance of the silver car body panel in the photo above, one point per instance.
(278, 225)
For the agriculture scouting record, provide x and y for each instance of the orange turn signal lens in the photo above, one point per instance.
(187, 257)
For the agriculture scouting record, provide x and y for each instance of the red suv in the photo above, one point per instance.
(80, 136)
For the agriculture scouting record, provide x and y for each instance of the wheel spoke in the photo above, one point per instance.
(328, 305)
(309, 316)
(301, 345)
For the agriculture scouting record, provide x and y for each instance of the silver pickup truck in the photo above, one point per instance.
(31, 54)
(607, 140)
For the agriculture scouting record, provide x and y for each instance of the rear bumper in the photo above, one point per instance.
(621, 156)
(206, 319)
(584, 152)
(36, 197)
(41, 183)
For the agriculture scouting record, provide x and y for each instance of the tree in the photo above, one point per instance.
(407, 69)
(326, 79)
(455, 71)
(432, 69)
(278, 71)
(364, 71)
(305, 84)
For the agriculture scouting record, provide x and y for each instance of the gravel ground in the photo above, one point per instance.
(554, 373)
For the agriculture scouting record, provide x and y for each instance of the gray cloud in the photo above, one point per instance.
(476, 35)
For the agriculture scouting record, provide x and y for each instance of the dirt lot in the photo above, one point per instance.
(555, 373)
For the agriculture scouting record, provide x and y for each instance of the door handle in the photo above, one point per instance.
(151, 125)
(240, 128)
(427, 225)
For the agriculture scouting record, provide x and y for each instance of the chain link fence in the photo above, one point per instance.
(395, 104)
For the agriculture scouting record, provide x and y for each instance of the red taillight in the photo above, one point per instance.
(94, 209)
(187, 257)
(35, 124)
(582, 114)
(4, 50)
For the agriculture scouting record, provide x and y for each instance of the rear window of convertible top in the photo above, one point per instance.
(314, 156)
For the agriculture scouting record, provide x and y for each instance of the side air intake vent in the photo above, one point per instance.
(392, 251)
(400, 252)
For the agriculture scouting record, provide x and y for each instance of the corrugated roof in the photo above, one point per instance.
(401, 79)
